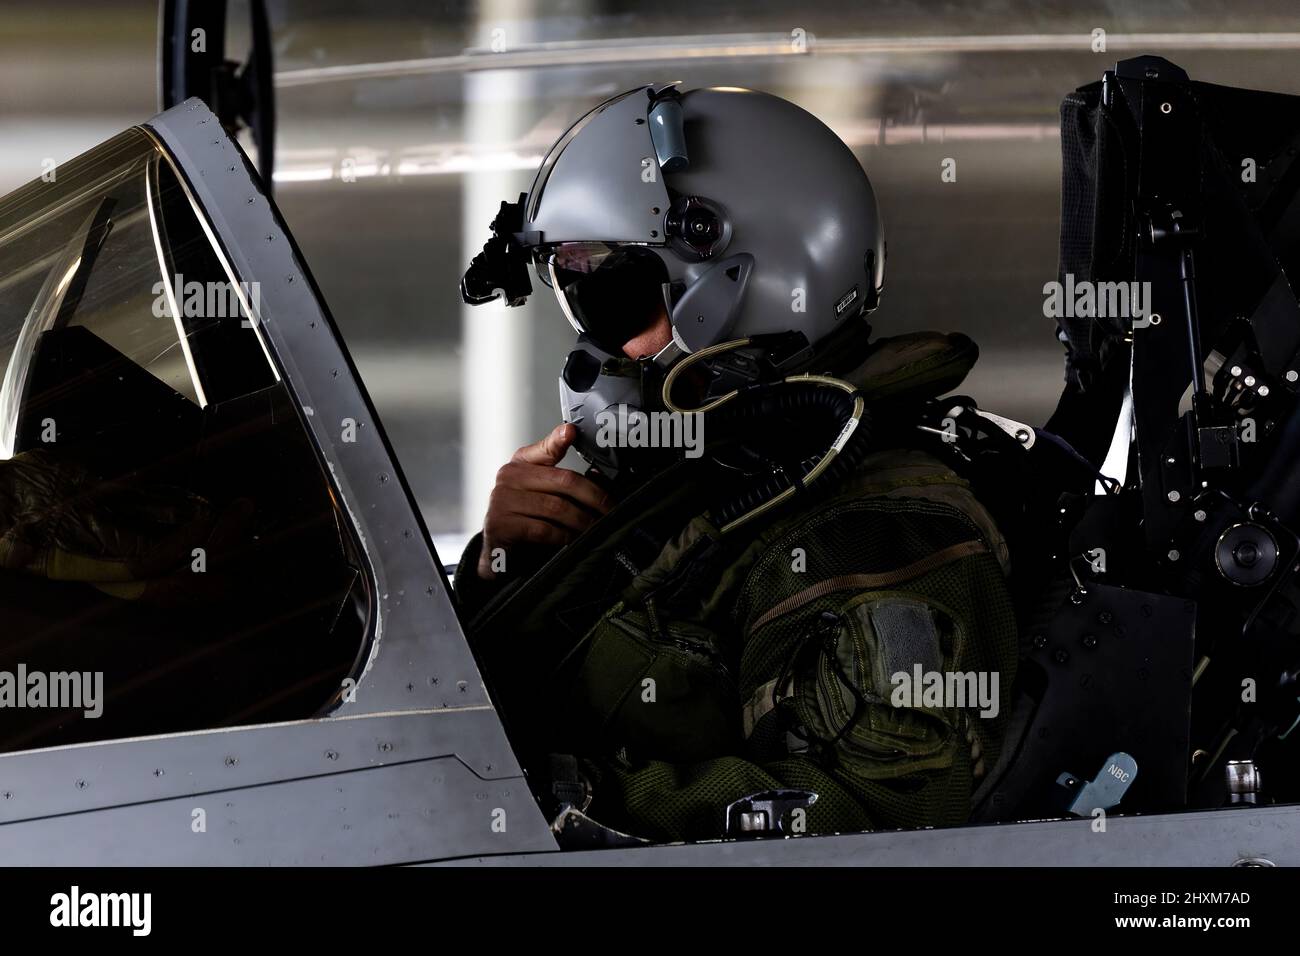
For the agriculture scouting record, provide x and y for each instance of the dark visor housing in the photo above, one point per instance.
(617, 193)
(610, 293)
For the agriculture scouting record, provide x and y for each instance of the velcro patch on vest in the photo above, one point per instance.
(907, 636)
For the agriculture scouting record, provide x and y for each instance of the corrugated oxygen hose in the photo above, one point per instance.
(796, 395)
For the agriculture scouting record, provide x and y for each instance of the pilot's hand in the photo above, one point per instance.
(535, 502)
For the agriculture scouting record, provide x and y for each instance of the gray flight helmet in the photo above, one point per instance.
(757, 219)
(796, 242)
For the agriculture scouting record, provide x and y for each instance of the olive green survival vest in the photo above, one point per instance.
(689, 668)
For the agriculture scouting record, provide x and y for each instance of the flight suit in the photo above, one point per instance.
(688, 668)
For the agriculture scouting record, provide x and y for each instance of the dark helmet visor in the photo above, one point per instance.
(610, 292)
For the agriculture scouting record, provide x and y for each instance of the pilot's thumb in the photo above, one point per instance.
(550, 449)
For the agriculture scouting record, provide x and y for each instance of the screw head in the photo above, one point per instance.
(1040, 641)
(1173, 554)
(1199, 514)
(1061, 655)
(1173, 496)
(1090, 641)
(1292, 375)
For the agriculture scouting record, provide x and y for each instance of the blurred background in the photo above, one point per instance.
(403, 123)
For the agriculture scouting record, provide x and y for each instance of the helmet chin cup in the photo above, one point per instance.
(708, 309)
(593, 384)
